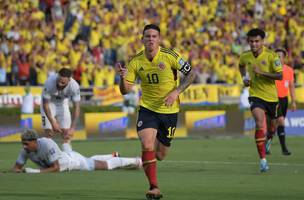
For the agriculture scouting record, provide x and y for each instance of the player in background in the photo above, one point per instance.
(157, 68)
(55, 112)
(260, 67)
(47, 155)
(284, 86)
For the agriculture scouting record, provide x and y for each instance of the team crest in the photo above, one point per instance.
(277, 63)
(263, 62)
(161, 66)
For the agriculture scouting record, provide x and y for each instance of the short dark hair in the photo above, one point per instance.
(282, 51)
(65, 72)
(29, 135)
(256, 32)
(151, 26)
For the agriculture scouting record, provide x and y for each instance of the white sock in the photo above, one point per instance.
(66, 147)
(117, 162)
(102, 157)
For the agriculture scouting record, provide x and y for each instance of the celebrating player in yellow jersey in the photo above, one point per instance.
(157, 68)
(260, 67)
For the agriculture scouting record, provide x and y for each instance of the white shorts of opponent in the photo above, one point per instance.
(60, 112)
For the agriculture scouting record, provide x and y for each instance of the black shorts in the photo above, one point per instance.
(164, 123)
(283, 106)
(270, 108)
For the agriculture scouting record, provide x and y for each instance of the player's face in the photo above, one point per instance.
(62, 82)
(255, 43)
(29, 146)
(151, 39)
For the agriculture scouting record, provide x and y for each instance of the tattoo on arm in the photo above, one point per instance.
(186, 81)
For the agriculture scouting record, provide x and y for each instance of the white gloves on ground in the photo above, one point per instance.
(31, 170)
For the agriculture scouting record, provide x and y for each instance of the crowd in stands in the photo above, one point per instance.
(37, 37)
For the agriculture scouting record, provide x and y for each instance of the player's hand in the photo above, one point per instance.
(293, 106)
(121, 70)
(171, 98)
(256, 69)
(68, 134)
(31, 170)
(56, 127)
(246, 82)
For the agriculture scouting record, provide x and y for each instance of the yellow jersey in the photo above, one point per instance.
(157, 78)
(260, 86)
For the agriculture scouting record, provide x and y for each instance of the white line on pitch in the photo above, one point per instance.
(229, 163)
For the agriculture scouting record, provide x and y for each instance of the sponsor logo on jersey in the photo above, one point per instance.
(161, 66)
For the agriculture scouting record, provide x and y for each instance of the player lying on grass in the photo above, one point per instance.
(48, 156)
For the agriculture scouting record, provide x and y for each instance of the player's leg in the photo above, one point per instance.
(46, 124)
(64, 119)
(118, 162)
(147, 126)
(281, 126)
(258, 113)
(105, 156)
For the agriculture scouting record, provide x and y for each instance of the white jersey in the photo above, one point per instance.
(50, 91)
(48, 152)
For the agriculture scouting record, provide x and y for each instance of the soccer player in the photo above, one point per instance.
(260, 67)
(284, 86)
(157, 68)
(55, 112)
(47, 155)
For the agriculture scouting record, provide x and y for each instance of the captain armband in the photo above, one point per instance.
(186, 68)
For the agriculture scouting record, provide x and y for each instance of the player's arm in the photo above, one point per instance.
(75, 115)
(273, 76)
(292, 95)
(53, 168)
(46, 108)
(125, 87)
(18, 168)
(243, 72)
(185, 82)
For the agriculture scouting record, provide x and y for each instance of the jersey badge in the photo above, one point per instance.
(161, 66)
(277, 63)
(263, 62)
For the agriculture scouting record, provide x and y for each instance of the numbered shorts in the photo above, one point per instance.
(60, 112)
(164, 123)
(283, 106)
(270, 108)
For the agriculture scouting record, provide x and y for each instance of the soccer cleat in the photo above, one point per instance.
(139, 163)
(286, 152)
(268, 145)
(154, 194)
(115, 154)
(263, 165)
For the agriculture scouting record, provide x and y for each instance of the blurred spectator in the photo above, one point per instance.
(27, 106)
(2, 75)
(213, 32)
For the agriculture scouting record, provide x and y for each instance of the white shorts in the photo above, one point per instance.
(60, 112)
(75, 161)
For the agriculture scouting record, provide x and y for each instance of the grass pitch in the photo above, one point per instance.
(195, 169)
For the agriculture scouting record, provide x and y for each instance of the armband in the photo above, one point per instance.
(186, 68)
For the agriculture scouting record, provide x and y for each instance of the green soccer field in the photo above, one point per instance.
(196, 169)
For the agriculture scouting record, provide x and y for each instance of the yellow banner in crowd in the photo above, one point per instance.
(229, 90)
(108, 96)
(200, 94)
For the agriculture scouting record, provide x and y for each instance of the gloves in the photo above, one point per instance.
(31, 170)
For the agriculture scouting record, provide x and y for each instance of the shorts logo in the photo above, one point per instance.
(139, 124)
(161, 66)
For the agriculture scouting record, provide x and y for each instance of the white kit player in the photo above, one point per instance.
(55, 113)
(47, 155)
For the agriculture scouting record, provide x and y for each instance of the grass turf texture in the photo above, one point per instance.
(195, 169)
